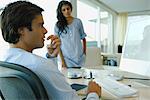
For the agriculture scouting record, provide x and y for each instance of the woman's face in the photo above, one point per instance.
(66, 10)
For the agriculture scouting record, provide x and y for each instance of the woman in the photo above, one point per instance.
(71, 32)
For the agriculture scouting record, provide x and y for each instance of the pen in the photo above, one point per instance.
(91, 76)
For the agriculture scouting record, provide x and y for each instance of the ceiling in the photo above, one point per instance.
(127, 5)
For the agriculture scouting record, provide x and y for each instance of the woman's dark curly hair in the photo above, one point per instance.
(62, 22)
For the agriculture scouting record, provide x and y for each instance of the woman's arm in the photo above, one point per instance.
(84, 46)
(62, 59)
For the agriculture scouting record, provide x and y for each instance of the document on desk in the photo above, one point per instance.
(116, 88)
(82, 92)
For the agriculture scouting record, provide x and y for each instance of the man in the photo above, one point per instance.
(22, 27)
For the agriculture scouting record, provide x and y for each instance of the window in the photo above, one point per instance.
(137, 38)
(106, 31)
(97, 25)
(3, 44)
(88, 15)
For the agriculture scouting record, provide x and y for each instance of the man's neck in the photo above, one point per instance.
(21, 47)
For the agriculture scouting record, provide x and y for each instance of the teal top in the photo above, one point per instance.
(71, 45)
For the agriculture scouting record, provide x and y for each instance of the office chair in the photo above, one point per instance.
(20, 83)
(93, 58)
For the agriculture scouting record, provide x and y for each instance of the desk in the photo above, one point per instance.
(144, 89)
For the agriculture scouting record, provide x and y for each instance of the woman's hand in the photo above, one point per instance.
(64, 64)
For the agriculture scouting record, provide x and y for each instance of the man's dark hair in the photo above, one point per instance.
(62, 22)
(17, 15)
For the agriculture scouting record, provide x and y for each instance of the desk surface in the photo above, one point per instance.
(143, 86)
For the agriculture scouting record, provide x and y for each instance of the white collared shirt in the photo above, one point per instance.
(53, 81)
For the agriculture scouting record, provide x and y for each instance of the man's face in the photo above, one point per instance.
(35, 38)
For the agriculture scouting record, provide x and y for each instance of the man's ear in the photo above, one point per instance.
(21, 30)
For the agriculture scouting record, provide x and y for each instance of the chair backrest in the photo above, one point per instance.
(93, 58)
(20, 83)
